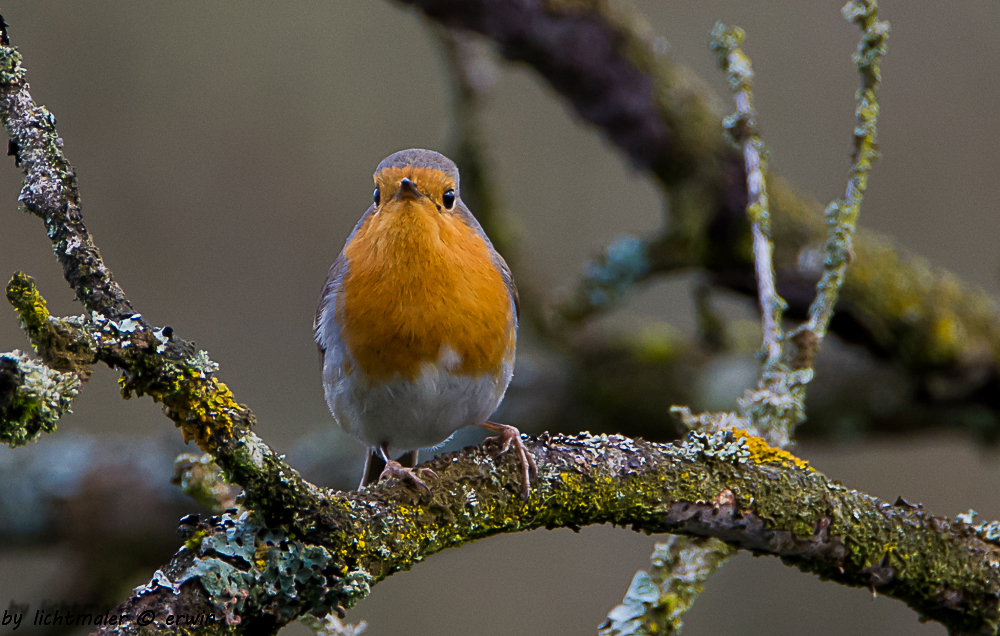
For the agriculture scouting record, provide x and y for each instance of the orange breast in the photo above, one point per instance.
(418, 280)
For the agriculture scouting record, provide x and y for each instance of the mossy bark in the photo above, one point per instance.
(727, 486)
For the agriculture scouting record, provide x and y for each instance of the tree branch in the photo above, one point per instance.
(152, 362)
(728, 486)
(170, 371)
(50, 190)
(303, 549)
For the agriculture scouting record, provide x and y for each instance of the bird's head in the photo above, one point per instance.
(416, 181)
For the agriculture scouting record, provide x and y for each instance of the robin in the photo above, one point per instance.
(417, 322)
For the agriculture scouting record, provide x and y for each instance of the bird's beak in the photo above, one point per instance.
(408, 191)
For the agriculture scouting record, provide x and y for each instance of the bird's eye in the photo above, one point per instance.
(449, 199)
(377, 196)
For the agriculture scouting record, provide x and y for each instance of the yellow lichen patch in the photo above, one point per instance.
(203, 408)
(30, 306)
(763, 453)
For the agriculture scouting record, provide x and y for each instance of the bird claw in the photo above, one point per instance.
(510, 436)
(426, 471)
(395, 469)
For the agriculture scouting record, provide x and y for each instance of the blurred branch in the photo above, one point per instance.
(600, 57)
(200, 478)
(473, 73)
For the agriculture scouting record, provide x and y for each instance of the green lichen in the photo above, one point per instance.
(842, 215)
(32, 311)
(62, 343)
(194, 542)
(203, 407)
(32, 398)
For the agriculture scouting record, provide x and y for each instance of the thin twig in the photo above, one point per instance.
(842, 215)
(743, 129)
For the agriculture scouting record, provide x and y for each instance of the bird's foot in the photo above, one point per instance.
(395, 469)
(510, 436)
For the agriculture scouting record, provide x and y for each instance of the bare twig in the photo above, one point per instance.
(743, 128)
(842, 215)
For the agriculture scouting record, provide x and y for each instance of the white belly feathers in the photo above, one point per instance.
(410, 414)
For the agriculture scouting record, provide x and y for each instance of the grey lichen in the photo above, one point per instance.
(777, 405)
(32, 398)
(331, 625)
(722, 445)
(247, 562)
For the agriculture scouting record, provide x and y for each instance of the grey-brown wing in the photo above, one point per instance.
(331, 289)
(508, 279)
(327, 302)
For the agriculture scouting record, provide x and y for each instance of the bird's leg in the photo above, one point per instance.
(509, 435)
(394, 468)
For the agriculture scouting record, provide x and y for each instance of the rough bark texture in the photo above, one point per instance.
(50, 191)
(727, 486)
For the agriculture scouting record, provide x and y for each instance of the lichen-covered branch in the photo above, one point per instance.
(778, 404)
(50, 190)
(727, 486)
(33, 397)
(154, 362)
(34, 394)
(842, 215)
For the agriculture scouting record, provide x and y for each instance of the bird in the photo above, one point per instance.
(417, 323)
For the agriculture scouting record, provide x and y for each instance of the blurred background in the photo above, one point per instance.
(224, 151)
